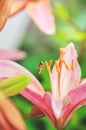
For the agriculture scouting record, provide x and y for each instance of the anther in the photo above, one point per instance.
(50, 62)
(57, 66)
(73, 65)
(47, 66)
(66, 65)
(62, 52)
(40, 67)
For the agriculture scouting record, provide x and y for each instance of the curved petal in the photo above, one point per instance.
(10, 118)
(69, 78)
(48, 112)
(10, 69)
(54, 83)
(65, 80)
(5, 6)
(78, 98)
(36, 112)
(44, 108)
(17, 6)
(41, 13)
(12, 54)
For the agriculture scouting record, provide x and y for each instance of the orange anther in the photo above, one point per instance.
(50, 62)
(62, 52)
(66, 65)
(73, 65)
(47, 66)
(57, 66)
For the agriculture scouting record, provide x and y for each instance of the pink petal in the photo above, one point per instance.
(5, 6)
(57, 108)
(10, 119)
(33, 97)
(41, 13)
(69, 79)
(63, 82)
(12, 54)
(48, 112)
(36, 112)
(78, 98)
(11, 69)
(43, 107)
(34, 91)
(17, 6)
(54, 83)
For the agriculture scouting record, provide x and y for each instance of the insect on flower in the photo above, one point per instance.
(40, 67)
(68, 91)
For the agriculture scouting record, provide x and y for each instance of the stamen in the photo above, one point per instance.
(66, 65)
(40, 67)
(62, 52)
(50, 62)
(73, 65)
(57, 66)
(47, 66)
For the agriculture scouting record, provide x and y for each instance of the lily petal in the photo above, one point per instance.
(69, 78)
(10, 69)
(43, 108)
(78, 98)
(10, 118)
(36, 112)
(12, 54)
(17, 6)
(34, 92)
(33, 89)
(48, 112)
(5, 6)
(65, 80)
(41, 13)
(33, 97)
(54, 83)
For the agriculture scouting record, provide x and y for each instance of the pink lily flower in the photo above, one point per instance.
(12, 55)
(68, 91)
(10, 117)
(39, 11)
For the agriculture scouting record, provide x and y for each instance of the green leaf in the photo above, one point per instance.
(15, 85)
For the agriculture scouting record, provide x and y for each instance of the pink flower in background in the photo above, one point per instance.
(12, 54)
(10, 117)
(39, 11)
(68, 91)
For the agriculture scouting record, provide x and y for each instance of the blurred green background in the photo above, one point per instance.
(70, 18)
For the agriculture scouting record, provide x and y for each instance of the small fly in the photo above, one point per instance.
(40, 66)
